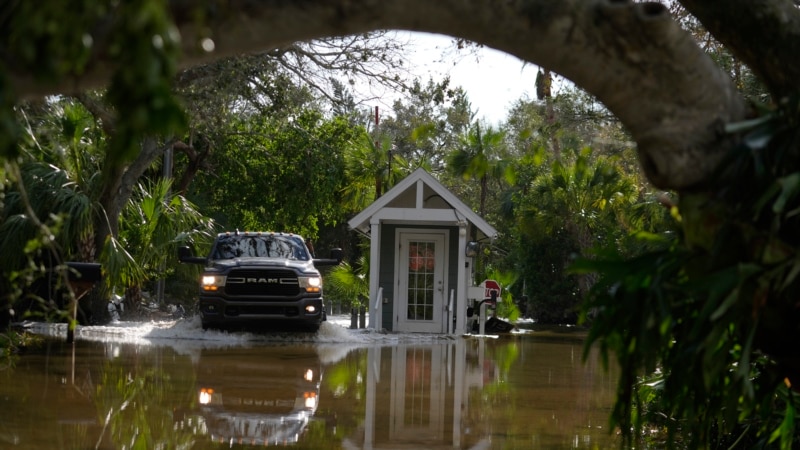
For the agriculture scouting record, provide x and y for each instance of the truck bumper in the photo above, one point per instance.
(219, 312)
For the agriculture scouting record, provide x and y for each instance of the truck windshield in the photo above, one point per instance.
(267, 246)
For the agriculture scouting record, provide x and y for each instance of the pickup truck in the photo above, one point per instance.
(260, 278)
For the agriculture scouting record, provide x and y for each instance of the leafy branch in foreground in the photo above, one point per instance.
(713, 311)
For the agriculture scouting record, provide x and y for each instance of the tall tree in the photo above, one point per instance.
(582, 198)
(281, 175)
(371, 168)
(154, 223)
(59, 179)
(426, 124)
(480, 157)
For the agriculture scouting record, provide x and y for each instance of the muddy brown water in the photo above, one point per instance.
(186, 389)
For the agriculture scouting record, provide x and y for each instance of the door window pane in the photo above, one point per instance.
(421, 264)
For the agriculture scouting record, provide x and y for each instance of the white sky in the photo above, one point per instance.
(492, 79)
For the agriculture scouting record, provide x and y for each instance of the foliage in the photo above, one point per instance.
(57, 202)
(34, 276)
(547, 291)
(279, 174)
(319, 75)
(59, 172)
(12, 343)
(578, 205)
(244, 85)
(153, 225)
(371, 169)
(141, 93)
(480, 157)
(349, 283)
(427, 123)
(714, 306)
(578, 121)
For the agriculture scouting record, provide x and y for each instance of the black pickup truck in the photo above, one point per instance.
(260, 278)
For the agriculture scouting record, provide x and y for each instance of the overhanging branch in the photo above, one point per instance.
(631, 56)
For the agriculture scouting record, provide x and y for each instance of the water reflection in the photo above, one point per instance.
(258, 399)
(521, 391)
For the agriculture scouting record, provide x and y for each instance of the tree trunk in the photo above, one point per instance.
(353, 318)
(765, 37)
(551, 114)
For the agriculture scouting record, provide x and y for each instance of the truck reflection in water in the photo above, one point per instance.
(249, 399)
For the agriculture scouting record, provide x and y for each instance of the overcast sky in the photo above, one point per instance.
(492, 79)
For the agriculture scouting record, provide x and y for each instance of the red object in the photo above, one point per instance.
(488, 287)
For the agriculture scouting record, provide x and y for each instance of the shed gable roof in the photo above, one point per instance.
(420, 191)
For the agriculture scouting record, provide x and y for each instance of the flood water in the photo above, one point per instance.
(175, 386)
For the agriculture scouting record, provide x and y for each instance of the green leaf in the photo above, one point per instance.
(785, 431)
(790, 186)
(738, 127)
(730, 300)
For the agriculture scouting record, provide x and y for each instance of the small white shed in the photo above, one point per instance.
(420, 256)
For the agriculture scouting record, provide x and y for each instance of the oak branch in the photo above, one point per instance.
(632, 56)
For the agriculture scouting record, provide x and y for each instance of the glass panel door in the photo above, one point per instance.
(421, 282)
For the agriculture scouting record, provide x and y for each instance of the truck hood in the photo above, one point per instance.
(223, 264)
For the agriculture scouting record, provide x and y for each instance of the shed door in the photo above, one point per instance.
(420, 282)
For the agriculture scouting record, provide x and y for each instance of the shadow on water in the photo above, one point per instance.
(176, 386)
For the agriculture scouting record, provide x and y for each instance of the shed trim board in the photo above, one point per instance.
(361, 221)
(419, 204)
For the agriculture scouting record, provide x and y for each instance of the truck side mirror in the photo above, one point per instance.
(337, 254)
(185, 255)
(336, 258)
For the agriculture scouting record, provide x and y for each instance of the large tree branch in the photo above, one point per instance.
(632, 57)
(771, 55)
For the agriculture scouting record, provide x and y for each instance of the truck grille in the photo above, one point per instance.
(262, 282)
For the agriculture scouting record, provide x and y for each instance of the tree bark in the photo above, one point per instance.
(766, 37)
(632, 56)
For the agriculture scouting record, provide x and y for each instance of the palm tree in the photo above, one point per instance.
(55, 184)
(587, 199)
(371, 169)
(479, 157)
(55, 200)
(49, 207)
(350, 283)
(154, 223)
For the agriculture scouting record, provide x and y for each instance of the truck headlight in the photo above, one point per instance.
(206, 395)
(310, 399)
(212, 282)
(310, 284)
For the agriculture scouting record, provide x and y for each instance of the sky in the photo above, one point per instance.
(492, 79)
